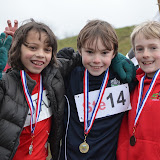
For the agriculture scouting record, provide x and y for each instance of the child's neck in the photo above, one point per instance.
(34, 76)
(148, 77)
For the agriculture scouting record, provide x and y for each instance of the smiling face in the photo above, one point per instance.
(35, 53)
(147, 53)
(96, 58)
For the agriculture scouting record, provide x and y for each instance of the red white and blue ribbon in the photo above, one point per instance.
(141, 103)
(29, 99)
(88, 123)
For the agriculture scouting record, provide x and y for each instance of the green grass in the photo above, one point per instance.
(68, 42)
(123, 40)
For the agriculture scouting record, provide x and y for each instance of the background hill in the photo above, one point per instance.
(123, 38)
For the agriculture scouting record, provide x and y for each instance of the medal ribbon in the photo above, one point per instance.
(29, 99)
(140, 105)
(88, 123)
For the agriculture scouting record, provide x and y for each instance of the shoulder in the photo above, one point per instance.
(76, 74)
(11, 75)
(51, 72)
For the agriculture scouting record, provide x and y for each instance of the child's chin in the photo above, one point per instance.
(95, 73)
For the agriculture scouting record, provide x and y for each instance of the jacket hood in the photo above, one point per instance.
(140, 73)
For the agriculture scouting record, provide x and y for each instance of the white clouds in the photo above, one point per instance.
(67, 17)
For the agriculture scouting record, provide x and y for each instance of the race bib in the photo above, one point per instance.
(115, 100)
(45, 109)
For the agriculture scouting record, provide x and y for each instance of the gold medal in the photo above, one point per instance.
(84, 147)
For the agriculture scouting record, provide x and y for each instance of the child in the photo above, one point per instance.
(142, 141)
(92, 127)
(32, 96)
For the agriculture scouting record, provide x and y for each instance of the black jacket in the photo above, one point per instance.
(14, 107)
(103, 136)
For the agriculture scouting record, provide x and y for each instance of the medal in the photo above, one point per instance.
(31, 146)
(84, 147)
(132, 140)
(30, 104)
(30, 149)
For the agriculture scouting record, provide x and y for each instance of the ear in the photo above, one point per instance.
(79, 51)
(113, 55)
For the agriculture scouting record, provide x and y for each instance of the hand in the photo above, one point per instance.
(11, 30)
(66, 53)
(5, 44)
(124, 68)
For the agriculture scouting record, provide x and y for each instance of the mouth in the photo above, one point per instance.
(148, 63)
(39, 63)
(96, 67)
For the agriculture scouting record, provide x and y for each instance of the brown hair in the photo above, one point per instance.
(95, 29)
(19, 38)
(149, 29)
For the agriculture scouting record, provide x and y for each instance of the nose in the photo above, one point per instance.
(40, 53)
(96, 59)
(146, 53)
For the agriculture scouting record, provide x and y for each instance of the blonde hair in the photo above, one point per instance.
(149, 29)
(95, 29)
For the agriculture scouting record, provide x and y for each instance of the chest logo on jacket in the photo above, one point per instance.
(155, 96)
(115, 82)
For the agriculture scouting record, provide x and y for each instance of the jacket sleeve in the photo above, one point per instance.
(67, 65)
(55, 139)
(57, 102)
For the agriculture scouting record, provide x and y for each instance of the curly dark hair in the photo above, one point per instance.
(20, 37)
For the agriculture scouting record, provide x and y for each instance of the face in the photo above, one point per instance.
(35, 54)
(147, 52)
(96, 58)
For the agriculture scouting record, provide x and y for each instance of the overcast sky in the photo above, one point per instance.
(67, 17)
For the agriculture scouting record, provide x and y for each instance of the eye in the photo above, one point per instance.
(139, 49)
(89, 51)
(105, 52)
(153, 48)
(32, 48)
(48, 49)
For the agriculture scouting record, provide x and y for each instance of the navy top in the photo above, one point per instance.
(103, 136)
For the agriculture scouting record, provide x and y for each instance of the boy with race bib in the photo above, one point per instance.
(96, 97)
(139, 133)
